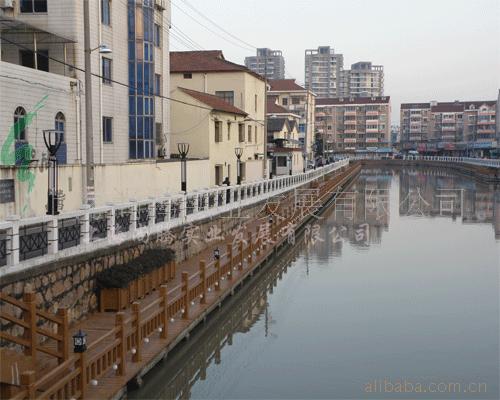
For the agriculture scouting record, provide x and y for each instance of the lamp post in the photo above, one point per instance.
(238, 151)
(53, 140)
(290, 164)
(183, 149)
(216, 253)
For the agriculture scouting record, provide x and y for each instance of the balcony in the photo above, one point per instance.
(346, 113)
(448, 128)
(372, 113)
(372, 121)
(372, 130)
(372, 140)
(349, 130)
(448, 120)
(349, 140)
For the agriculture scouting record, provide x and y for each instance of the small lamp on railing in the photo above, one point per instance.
(80, 342)
(217, 253)
(183, 149)
(238, 151)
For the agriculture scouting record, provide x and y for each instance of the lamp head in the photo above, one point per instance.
(104, 49)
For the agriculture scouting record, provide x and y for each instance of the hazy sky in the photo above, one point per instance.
(430, 49)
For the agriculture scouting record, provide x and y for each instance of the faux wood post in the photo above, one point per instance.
(28, 381)
(185, 291)
(164, 318)
(229, 247)
(250, 247)
(203, 277)
(173, 270)
(217, 274)
(120, 324)
(242, 255)
(62, 330)
(83, 375)
(31, 318)
(136, 311)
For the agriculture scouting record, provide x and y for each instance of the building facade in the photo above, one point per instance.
(458, 128)
(364, 80)
(299, 101)
(352, 124)
(43, 52)
(284, 147)
(324, 72)
(268, 63)
(209, 72)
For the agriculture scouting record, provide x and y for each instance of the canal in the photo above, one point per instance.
(392, 293)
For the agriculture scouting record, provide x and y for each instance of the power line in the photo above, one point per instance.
(211, 30)
(218, 26)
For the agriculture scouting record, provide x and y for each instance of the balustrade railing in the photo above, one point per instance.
(485, 162)
(25, 243)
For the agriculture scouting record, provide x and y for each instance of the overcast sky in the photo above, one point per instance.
(430, 49)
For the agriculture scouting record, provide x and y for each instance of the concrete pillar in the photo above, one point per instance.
(152, 212)
(52, 236)
(13, 244)
(85, 224)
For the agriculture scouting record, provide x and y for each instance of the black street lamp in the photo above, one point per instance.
(290, 163)
(239, 152)
(53, 140)
(79, 342)
(183, 149)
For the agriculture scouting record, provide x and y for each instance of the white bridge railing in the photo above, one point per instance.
(485, 162)
(25, 243)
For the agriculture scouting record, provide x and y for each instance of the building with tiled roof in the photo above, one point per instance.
(211, 77)
(288, 94)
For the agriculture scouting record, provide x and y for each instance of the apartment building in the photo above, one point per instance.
(364, 80)
(209, 72)
(459, 127)
(351, 124)
(268, 63)
(299, 101)
(43, 71)
(324, 72)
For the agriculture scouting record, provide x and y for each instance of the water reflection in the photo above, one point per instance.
(397, 279)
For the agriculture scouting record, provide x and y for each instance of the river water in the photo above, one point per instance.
(393, 293)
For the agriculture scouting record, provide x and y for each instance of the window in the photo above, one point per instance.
(255, 103)
(218, 131)
(31, 6)
(106, 12)
(250, 133)
(157, 38)
(107, 129)
(282, 161)
(60, 123)
(227, 96)
(157, 84)
(106, 71)
(20, 128)
(228, 130)
(159, 133)
(241, 133)
(284, 101)
(295, 100)
(188, 76)
(27, 59)
(255, 134)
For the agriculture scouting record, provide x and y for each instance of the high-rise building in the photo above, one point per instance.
(324, 72)
(459, 127)
(268, 63)
(365, 80)
(326, 77)
(353, 123)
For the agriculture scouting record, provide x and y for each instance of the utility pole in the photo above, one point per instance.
(89, 131)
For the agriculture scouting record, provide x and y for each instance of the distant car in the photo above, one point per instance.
(398, 156)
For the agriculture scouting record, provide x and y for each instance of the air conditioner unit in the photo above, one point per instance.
(6, 3)
(160, 4)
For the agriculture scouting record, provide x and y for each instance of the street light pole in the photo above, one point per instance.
(89, 131)
(183, 149)
(239, 152)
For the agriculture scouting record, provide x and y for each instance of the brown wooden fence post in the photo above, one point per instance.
(185, 291)
(230, 257)
(83, 374)
(62, 330)
(28, 381)
(250, 247)
(31, 318)
(242, 255)
(173, 270)
(120, 324)
(136, 311)
(164, 295)
(217, 274)
(203, 277)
